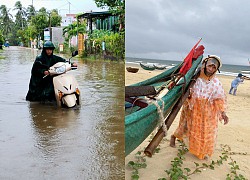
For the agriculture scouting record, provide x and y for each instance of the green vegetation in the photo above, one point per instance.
(114, 44)
(1, 38)
(28, 24)
(139, 163)
(70, 31)
(177, 171)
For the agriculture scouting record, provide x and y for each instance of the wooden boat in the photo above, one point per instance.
(141, 116)
(132, 70)
(159, 67)
(147, 67)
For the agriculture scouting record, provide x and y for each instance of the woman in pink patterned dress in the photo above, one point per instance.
(202, 110)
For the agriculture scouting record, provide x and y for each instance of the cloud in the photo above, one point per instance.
(63, 6)
(169, 29)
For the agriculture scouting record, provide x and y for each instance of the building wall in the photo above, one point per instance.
(57, 35)
(68, 19)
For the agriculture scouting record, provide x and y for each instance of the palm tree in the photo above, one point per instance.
(30, 12)
(73, 29)
(21, 14)
(6, 20)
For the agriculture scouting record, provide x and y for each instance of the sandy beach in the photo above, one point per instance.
(235, 135)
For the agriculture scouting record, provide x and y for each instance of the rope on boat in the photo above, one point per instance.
(134, 103)
(160, 110)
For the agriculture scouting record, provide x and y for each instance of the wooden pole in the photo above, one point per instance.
(169, 120)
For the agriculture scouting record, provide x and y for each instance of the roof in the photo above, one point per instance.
(95, 14)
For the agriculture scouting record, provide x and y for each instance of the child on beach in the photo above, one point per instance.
(235, 83)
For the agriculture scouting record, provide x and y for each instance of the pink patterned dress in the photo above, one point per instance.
(200, 115)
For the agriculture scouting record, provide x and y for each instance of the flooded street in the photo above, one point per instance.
(41, 141)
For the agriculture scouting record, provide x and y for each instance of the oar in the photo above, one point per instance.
(169, 120)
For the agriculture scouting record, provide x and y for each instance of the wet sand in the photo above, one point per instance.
(235, 135)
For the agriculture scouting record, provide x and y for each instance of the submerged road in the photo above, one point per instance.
(41, 141)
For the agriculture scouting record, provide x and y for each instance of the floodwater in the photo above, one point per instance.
(41, 141)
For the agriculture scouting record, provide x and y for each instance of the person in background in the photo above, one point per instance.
(104, 47)
(40, 88)
(201, 111)
(235, 83)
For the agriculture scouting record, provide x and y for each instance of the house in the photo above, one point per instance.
(100, 20)
(97, 20)
(68, 19)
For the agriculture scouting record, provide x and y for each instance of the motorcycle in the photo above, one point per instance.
(66, 88)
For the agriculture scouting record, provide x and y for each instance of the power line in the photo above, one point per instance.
(71, 7)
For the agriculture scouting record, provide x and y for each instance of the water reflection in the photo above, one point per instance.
(104, 86)
(49, 122)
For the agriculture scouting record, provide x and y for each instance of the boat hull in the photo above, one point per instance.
(160, 67)
(140, 124)
(132, 70)
(146, 67)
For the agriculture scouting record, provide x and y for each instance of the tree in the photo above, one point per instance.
(1, 40)
(40, 22)
(30, 12)
(44, 19)
(72, 30)
(55, 18)
(20, 15)
(6, 20)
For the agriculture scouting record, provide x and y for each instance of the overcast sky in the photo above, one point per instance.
(64, 6)
(168, 29)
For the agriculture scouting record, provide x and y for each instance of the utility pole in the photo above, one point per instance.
(50, 29)
(69, 7)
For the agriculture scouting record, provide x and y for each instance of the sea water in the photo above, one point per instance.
(226, 69)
